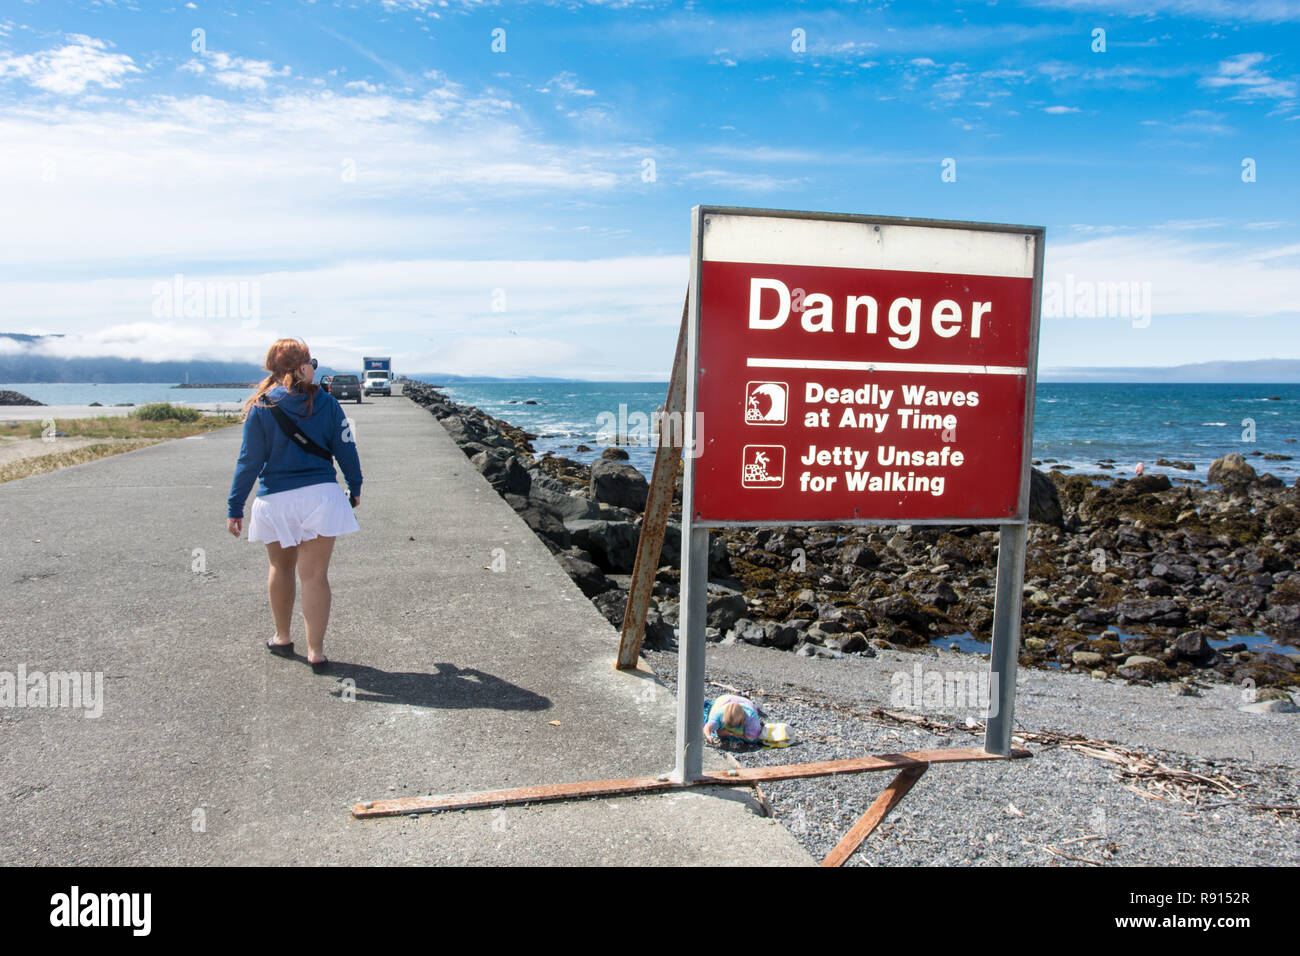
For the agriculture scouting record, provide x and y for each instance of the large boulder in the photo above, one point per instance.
(659, 635)
(611, 544)
(589, 578)
(543, 521)
(1044, 502)
(613, 605)
(859, 554)
(724, 607)
(503, 472)
(901, 607)
(1152, 611)
(1147, 484)
(670, 555)
(1194, 647)
(559, 497)
(463, 429)
(618, 483)
(1231, 470)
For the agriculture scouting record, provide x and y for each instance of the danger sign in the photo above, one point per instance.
(854, 369)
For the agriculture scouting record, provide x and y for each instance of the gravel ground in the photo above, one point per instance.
(999, 813)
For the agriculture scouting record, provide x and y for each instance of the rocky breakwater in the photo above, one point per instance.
(1169, 568)
(589, 517)
(16, 398)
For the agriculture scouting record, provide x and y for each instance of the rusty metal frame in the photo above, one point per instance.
(912, 766)
(659, 502)
(875, 816)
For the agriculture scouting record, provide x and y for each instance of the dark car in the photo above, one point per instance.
(344, 387)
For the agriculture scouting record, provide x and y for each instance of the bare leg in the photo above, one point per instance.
(281, 586)
(313, 568)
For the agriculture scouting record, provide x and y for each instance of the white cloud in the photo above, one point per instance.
(1060, 109)
(565, 82)
(1194, 123)
(1241, 74)
(756, 182)
(430, 314)
(236, 72)
(1211, 276)
(71, 68)
(1190, 225)
(1265, 11)
(298, 176)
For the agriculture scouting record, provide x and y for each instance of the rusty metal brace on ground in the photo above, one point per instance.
(912, 765)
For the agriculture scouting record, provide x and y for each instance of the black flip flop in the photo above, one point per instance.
(320, 667)
(280, 650)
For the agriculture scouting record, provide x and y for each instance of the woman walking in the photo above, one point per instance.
(292, 433)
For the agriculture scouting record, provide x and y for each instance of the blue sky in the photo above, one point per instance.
(375, 177)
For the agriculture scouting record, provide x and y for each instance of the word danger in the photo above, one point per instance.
(904, 315)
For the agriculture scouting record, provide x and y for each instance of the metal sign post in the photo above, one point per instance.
(1004, 655)
(1005, 652)
(693, 603)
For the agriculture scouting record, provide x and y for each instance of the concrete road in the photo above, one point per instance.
(448, 676)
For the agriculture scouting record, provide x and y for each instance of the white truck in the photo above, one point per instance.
(377, 375)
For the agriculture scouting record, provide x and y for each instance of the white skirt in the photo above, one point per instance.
(291, 517)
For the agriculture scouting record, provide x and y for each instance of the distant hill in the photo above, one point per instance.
(34, 367)
(1261, 371)
(30, 366)
(25, 337)
(434, 378)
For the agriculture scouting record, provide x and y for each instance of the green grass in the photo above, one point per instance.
(122, 426)
(166, 412)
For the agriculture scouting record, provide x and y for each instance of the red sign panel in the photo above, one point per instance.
(831, 392)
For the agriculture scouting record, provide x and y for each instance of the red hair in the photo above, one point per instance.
(283, 361)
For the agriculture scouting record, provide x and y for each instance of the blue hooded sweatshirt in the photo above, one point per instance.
(267, 452)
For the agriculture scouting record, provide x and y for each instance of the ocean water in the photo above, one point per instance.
(1256, 643)
(1075, 424)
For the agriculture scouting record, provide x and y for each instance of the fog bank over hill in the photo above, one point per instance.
(1259, 371)
(23, 361)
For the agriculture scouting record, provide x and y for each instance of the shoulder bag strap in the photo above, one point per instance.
(296, 436)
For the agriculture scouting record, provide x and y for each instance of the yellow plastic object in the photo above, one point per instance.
(775, 735)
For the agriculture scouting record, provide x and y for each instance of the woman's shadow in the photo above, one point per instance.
(450, 687)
